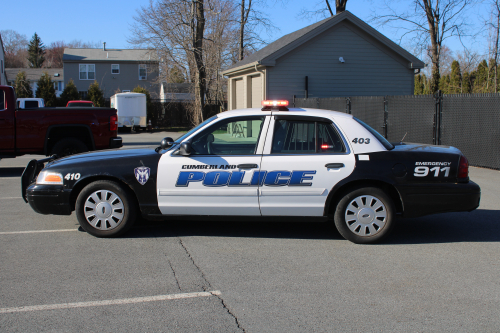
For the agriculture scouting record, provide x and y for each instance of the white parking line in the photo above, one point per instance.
(109, 302)
(34, 231)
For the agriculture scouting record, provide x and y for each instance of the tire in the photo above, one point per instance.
(105, 209)
(68, 146)
(365, 215)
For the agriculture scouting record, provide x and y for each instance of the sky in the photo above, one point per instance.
(110, 20)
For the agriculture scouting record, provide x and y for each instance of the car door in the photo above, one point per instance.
(221, 176)
(7, 125)
(304, 157)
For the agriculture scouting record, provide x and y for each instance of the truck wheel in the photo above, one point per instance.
(364, 215)
(105, 209)
(68, 146)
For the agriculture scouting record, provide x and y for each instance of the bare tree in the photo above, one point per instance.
(428, 22)
(494, 28)
(15, 48)
(54, 55)
(322, 9)
(182, 32)
(251, 22)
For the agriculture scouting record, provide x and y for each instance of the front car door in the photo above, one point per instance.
(304, 157)
(221, 176)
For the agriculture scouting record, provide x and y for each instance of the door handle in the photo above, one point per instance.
(247, 166)
(334, 165)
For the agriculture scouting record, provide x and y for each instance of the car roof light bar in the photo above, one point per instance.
(275, 105)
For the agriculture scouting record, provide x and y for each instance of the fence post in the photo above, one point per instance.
(317, 102)
(348, 105)
(293, 99)
(438, 117)
(386, 116)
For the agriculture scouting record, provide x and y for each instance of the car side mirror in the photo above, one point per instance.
(166, 143)
(185, 148)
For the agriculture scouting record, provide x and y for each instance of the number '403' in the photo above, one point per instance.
(423, 171)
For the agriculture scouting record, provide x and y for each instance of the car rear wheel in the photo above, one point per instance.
(105, 209)
(68, 146)
(364, 215)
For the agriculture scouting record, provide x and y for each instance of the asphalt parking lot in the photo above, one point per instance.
(438, 273)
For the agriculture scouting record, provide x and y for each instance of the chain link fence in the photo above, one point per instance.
(469, 122)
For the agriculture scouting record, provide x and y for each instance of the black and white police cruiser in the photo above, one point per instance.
(269, 163)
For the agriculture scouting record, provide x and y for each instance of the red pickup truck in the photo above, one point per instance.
(48, 131)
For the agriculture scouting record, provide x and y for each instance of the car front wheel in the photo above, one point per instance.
(105, 209)
(364, 215)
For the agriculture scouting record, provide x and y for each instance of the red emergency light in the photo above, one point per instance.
(275, 105)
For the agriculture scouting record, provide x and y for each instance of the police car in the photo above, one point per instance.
(270, 163)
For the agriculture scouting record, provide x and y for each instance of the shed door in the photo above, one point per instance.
(239, 94)
(256, 91)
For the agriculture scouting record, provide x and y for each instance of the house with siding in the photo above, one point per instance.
(116, 70)
(338, 56)
(3, 75)
(34, 74)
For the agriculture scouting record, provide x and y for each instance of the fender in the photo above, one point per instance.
(52, 127)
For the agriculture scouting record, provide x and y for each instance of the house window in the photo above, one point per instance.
(87, 72)
(125, 90)
(83, 95)
(142, 72)
(115, 69)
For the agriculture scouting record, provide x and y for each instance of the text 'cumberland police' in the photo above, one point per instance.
(257, 178)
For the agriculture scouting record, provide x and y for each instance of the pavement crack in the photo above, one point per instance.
(197, 267)
(229, 311)
(175, 275)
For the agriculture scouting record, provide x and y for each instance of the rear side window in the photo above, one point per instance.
(30, 104)
(2, 100)
(305, 137)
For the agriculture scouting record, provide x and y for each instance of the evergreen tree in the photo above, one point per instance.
(444, 84)
(95, 94)
(427, 85)
(455, 78)
(46, 90)
(70, 93)
(149, 105)
(419, 85)
(36, 52)
(466, 83)
(481, 78)
(491, 75)
(22, 85)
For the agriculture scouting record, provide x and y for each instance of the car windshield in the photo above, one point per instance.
(179, 140)
(380, 138)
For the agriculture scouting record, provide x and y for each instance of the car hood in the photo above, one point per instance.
(104, 155)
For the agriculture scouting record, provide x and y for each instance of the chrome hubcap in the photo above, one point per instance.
(104, 210)
(366, 215)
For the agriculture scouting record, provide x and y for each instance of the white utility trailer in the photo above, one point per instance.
(131, 110)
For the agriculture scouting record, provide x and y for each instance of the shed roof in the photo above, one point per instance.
(267, 56)
(71, 55)
(34, 74)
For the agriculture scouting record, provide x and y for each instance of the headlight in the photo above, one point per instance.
(49, 178)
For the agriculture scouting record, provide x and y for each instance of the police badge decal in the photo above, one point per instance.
(142, 174)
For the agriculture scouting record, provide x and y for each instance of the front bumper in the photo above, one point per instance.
(115, 142)
(426, 199)
(49, 199)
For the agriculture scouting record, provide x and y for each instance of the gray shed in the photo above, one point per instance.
(339, 56)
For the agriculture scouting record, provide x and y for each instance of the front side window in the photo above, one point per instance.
(233, 136)
(115, 69)
(305, 137)
(87, 72)
(142, 72)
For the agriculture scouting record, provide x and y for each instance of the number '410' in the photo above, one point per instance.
(423, 171)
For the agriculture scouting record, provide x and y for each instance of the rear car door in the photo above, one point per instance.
(303, 159)
(221, 175)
